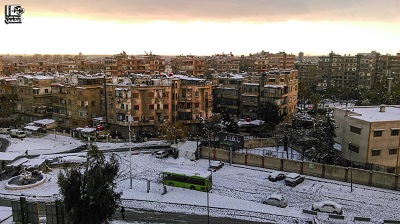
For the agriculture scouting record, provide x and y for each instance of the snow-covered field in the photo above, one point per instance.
(237, 190)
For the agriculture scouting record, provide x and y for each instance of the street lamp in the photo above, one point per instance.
(130, 155)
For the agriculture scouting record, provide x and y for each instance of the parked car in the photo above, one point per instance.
(15, 133)
(275, 200)
(162, 154)
(327, 206)
(277, 175)
(215, 165)
(5, 130)
(293, 179)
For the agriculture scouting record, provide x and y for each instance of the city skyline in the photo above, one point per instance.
(204, 27)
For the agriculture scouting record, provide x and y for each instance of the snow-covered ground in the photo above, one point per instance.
(237, 190)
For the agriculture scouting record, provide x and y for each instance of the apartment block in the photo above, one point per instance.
(369, 135)
(243, 98)
(123, 64)
(189, 65)
(266, 61)
(34, 98)
(77, 99)
(144, 105)
(1, 66)
(7, 95)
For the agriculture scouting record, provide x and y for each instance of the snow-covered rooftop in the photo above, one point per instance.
(9, 156)
(373, 114)
(45, 121)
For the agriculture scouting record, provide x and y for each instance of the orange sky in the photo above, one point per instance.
(203, 27)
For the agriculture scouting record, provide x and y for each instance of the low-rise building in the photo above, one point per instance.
(369, 135)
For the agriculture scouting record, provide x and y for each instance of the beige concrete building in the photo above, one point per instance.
(189, 65)
(369, 135)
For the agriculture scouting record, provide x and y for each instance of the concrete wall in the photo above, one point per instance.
(259, 142)
(357, 176)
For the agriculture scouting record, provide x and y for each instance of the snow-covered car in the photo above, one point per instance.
(276, 175)
(215, 165)
(162, 154)
(293, 179)
(327, 206)
(275, 200)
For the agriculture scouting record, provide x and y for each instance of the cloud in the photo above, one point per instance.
(257, 11)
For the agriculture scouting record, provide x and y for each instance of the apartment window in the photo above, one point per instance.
(378, 133)
(354, 129)
(135, 107)
(150, 95)
(165, 106)
(165, 117)
(151, 106)
(151, 118)
(393, 151)
(395, 132)
(354, 148)
(135, 95)
(93, 103)
(46, 91)
(271, 80)
(196, 105)
(376, 152)
(135, 118)
(196, 94)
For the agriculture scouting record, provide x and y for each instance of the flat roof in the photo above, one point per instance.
(373, 114)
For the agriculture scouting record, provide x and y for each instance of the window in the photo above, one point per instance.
(93, 103)
(135, 95)
(393, 151)
(395, 132)
(354, 129)
(165, 117)
(165, 106)
(150, 95)
(354, 148)
(135, 107)
(135, 118)
(46, 91)
(196, 94)
(151, 118)
(377, 133)
(376, 152)
(151, 106)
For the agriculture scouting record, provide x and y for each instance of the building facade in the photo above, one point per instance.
(369, 135)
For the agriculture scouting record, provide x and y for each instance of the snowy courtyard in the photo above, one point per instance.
(237, 190)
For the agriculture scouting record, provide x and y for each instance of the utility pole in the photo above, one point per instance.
(130, 155)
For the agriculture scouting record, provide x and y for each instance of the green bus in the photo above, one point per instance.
(190, 179)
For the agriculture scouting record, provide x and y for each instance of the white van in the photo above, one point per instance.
(162, 154)
(15, 133)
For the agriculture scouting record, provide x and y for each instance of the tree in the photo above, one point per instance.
(270, 114)
(228, 122)
(173, 131)
(89, 195)
(211, 127)
(321, 148)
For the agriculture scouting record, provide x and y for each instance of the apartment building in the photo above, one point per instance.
(34, 98)
(144, 105)
(243, 98)
(266, 61)
(7, 95)
(123, 64)
(308, 71)
(369, 135)
(189, 65)
(77, 99)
